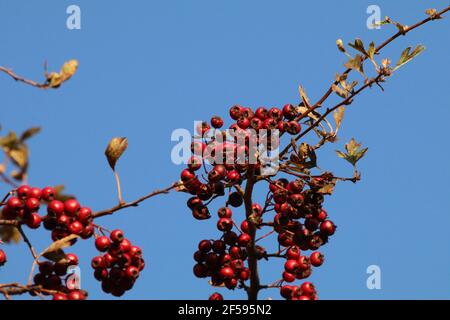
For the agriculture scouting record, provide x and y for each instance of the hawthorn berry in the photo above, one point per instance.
(316, 259)
(71, 207)
(23, 191)
(102, 243)
(117, 236)
(327, 227)
(244, 239)
(2, 257)
(215, 296)
(48, 194)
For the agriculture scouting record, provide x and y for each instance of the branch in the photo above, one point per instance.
(253, 290)
(377, 50)
(346, 101)
(26, 81)
(134, 203)
(27, 241)
(11, 289)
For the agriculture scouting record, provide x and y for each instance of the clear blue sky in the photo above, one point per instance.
(148, 67)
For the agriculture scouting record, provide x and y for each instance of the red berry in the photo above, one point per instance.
(48, 193)
(293, 253)
(288, 277)
(289, 112)
(308, 289)
(35, 193)
(76, 295)
(23, 192)
(33, 221)
(46, 268)
(261, 113)
(2, 257)
(226, 273)
(56, 207)
(322, 216)
(215, 296)
(14, 204)
(244, 239)
(72, 258)
(200, 270)
(102, 243)
(71, 207)
(244, 226)
(303, 263)
(84, 215)
(100, 274)
(218, 246)
(194, 163)
(98, 262)
(217, 122)
(32, 204)
(276, 114)
(233, 176)
(117, 236)
(327, 228)
(225, 224)
(224, 212)
(293, 127)
(76, 227)
(135, 252)
(291, 266)
(59, 296)
(205, 246)
(316, 259)
(236, 112)
(286, 291)
(132, 272)
(125, 245)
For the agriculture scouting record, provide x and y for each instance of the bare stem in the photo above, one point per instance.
(134, 203)
(119, 189)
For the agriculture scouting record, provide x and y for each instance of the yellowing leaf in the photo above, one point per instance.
(68, 69)
(29, 133)
(406, 56)
(54, 251)
(115, 149)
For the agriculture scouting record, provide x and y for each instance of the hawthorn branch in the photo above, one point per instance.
(377, 51)
(346, 101)
(134, 203)
(27, 241)
(254, 288)
(11, 289)
(32, 83)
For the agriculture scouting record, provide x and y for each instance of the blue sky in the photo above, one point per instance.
(149, 67)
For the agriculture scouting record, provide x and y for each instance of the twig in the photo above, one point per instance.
(21, 79)
(134, 203)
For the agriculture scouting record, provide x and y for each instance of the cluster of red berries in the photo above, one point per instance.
(63, 218)
(119, 266)
(299, 220)
(52, 276)
(306, 291)
(25, 203)
(301, 224)
(2, 257)
(68, 217)
(230, 152)
(223, 260)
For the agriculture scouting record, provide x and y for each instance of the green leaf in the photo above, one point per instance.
(407, 56)
(354, 152)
